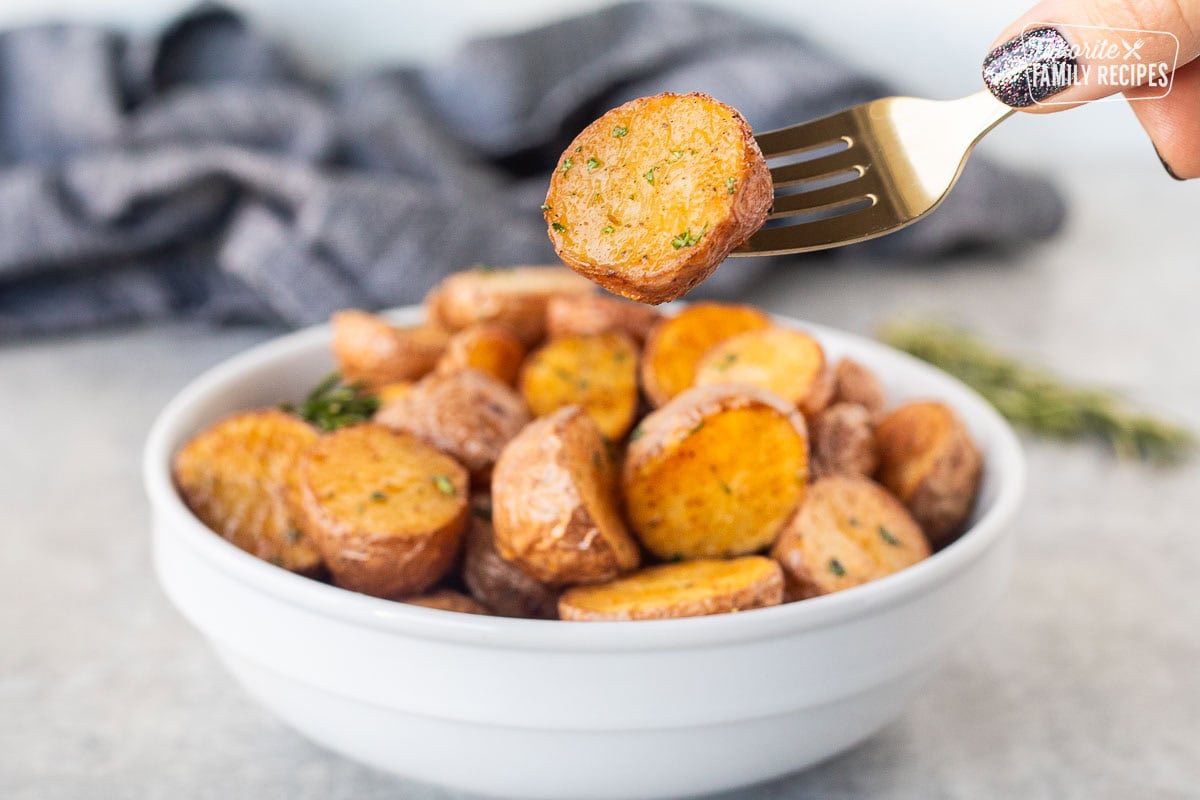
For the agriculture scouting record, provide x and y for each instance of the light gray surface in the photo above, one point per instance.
(1083, 684)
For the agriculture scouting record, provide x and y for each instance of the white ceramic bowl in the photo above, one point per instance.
(546, 709)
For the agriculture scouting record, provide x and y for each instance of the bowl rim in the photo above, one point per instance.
(171, 517)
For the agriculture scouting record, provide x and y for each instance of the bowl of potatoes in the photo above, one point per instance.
(531, 540)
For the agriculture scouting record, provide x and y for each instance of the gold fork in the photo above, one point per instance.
(868, 170)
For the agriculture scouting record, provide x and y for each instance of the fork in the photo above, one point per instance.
(870, 170)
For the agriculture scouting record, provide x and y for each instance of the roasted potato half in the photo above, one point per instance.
(372, 351)
(650, 198)
(715, 473)
(848, 531)
(514, 297)
(677, 344)
(500, 584)
(590, 314)
(842, 441)
(490, 348)
(554, 507)
(465, 413)
(598, 373)
(687, 589)
(449, 600)
(854, 383)
(928, 460)
(785, 362)
(386, 510)
(236, 477)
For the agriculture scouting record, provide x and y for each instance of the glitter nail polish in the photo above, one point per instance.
(1030, 67)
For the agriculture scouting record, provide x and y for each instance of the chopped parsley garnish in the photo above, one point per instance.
(546, 207)
(593, 164)
(443, 484)
(686, 239)
(292, 536)
(558, 226)
(567, 164)
(727, 361)
(333, 404)
(378, 497)
(636, 433)
(725, 487)
(730, 183)
(649, 176)
(579, 148)
(836, 568)
(607, 229)
(676, 155)
(620, 131)
(887, 536)
(698, 427)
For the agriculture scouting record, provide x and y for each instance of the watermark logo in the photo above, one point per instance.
(1115, 59)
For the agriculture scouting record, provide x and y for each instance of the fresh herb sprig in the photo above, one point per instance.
(333, 404)
(1038, 401)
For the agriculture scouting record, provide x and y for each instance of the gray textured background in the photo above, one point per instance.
(1082, 684)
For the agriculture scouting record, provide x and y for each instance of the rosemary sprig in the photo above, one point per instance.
(1038, 401)
(333, 404)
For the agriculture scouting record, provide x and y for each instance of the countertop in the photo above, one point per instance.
(1083, 683)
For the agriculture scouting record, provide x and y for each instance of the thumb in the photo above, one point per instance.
(1065, 52)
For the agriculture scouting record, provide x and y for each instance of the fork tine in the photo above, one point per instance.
(818, 200)
(808, 135)
(855, 226)
(824, 167)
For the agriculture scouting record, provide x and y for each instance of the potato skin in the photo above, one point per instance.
(785, 362)
(501, 585)
(554, 507)
(236, 477)
(372, 351)
(716, 472)
(855, 383)
(687, 589)
(513, 297)
(676, 345)
(598, 373)
(848, 531)
(465, 414)
(590, 314)
(843, 441)
(490, 348)
(386, 510)
(652, 239)
(928, 460)
(449, 600)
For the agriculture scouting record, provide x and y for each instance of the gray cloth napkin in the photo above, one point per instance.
(199, 173)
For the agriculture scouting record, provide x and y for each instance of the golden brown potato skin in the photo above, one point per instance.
(687, 589)
(236, 477)
(514, 297)
(676, 345)
(928, 460)
(843, 441)
(590, 314)
(501, 585)
(651, 197)
(598, 373)
(371, 351)
(465, 414)
(848, 531)
(716, 472)
(490, 348)
(386, 510)
(449, 600)
(854, 383)
(554, 507)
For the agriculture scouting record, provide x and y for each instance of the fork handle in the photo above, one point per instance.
(976, 114)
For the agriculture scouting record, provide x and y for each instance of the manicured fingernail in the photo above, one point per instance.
(1030, 67)
(1167, 166)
